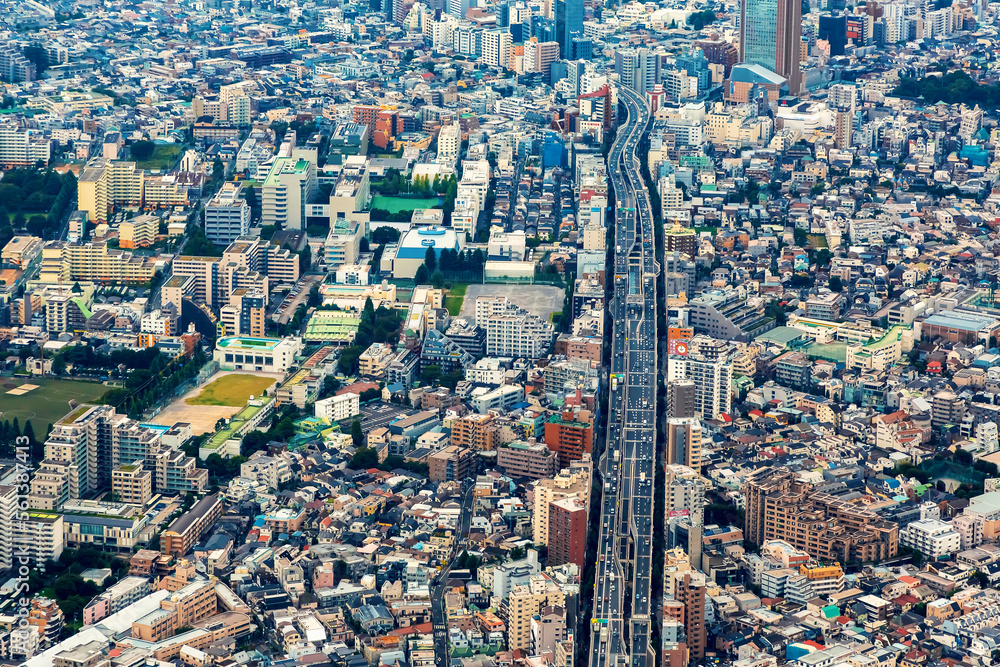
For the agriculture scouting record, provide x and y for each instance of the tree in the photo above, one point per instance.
(430, 259)
(357, 435)
(422, 274)
(142, 150)
(29, 430)
(218, 169)
(384, 234)
(836, 284)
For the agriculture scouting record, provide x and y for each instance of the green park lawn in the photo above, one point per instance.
(163, 158)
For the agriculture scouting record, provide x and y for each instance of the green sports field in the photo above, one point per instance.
(397, 204)
(232, 390)
(47, 404)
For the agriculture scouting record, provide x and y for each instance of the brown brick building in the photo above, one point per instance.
(780, 507)
(567, 532)
(570, 434)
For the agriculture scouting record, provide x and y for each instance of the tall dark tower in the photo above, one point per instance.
(569, 24)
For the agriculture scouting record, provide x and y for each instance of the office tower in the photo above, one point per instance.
(569, 24)
(567, 532)
(582, 48)
(684, 442)
(227, 215)
(638, 69)
(770, 33)
(833, 29)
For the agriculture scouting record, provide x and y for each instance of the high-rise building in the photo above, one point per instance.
(106, 183)
(289, 186)
(770, 35)
(570, 434)
(712, 379)
(684, 441)
(638, 69)
(496, 47)
(227, 215)
(539, 56)
(569, 24)
(680, 398)
(567, 532)
(689, 590)
(571, 482)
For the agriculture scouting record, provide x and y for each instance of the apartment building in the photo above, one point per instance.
(131, 483)
(684, 442)
(85, 447)
(22, 146)
(122, 594)
(451, 464)
(244, 314)
(337, 408)
(138, 232)
(374, 361)
(184, 607)
(523, 603)
(570, 434)
(94, 262)
(932, 537)
(567, 540)
(227, 215)
(104, 184)
(248, 263)
(188, 528)
(780, 507)
(288, 188)
(530, 460)
(476, 432)
(571, 482)
(729, 315)
(40, 534)
(516, 333)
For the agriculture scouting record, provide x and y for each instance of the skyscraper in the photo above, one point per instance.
(569, 24)
(770, 36)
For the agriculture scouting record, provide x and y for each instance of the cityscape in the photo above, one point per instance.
(499, 333)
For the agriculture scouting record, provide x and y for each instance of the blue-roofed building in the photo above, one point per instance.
(961, 327)
(404, 258)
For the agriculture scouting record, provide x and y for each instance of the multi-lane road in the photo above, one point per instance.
(623, 610)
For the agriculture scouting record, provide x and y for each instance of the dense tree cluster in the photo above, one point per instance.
(955, 87)
(34, 200)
